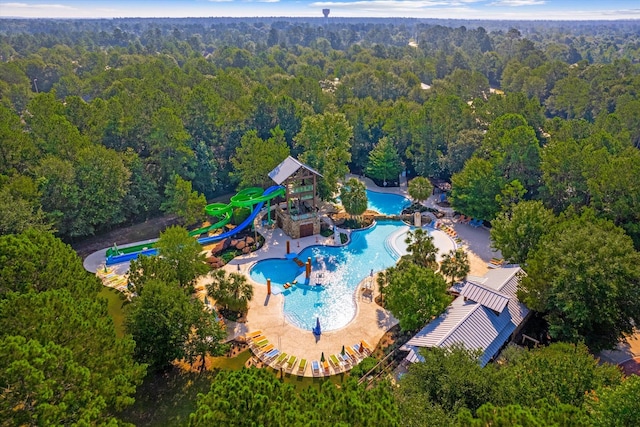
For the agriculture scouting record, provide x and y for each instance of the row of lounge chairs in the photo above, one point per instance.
(289, 363)
(341, 362)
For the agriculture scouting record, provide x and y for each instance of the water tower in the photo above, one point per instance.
(325, 12)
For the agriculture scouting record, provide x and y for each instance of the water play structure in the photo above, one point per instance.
(253, 198)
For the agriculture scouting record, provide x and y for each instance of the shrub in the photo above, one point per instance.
(239, 215)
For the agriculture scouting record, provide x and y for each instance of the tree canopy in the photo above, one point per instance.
(254, 396)
(183, 253)
(384, 162)
(325, 141)
(414, 294)
(582, 276)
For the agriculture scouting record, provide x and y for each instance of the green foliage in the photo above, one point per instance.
(206, 338)
(414, 294)
(160, 322)
(183, 201)
(533, 387)
(420, 188)
(560, 373)
(256, 157)
(517, 233)
(474, 189)
(384, 162)
(353, 195)
(367, 364)
(325, 141)
(37, 261)
(144, 269)
(183, 253)
(616, 406)
(232, 291)
(542, 415)
(81, 325)
(64, 361)
(583, 275)
(240, 214)
(255, 397)
(20, 207)
(447, 380)
(43, 385)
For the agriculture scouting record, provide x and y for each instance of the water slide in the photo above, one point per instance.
(249, 197)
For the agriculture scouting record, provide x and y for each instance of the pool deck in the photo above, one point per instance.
(265, 314)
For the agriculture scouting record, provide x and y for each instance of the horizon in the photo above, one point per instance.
(493, 10)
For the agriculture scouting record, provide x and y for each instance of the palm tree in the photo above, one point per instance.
(455, 264)
(420, 188)
(218, 286)
(421, 248)
(231, 291)
(240, 292)
(383, 279)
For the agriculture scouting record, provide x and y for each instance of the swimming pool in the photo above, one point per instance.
(339, 269)
(386, 204)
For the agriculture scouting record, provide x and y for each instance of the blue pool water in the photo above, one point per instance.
(387, 204)
(338, 269)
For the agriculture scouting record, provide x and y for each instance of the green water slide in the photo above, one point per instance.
(253, 197)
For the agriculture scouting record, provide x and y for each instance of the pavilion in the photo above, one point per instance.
(485, 316)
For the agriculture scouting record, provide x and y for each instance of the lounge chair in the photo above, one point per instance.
(266, 349)
(281, 359)
(273, 353)
(291, 363)
(315, 367)
(353, 354)
(337, 365)
(262, 343)
(345, 359)
(253, 334)
(257, 339)
(302, 366)
(367, 347)
(325, 368)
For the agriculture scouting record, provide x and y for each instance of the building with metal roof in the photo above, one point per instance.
(287, 168)
(484, 316)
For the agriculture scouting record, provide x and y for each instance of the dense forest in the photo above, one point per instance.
(536, 125)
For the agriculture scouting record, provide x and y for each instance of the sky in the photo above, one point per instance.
(445, 9)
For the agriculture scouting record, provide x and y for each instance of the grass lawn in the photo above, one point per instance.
(115, 301)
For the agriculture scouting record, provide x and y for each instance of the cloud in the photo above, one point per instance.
(37, 6)
(220, 1)
(623, 12)
(516, 3)
(392, 4)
